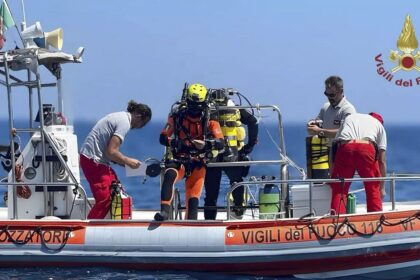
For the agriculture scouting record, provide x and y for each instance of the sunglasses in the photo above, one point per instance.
(330, 95)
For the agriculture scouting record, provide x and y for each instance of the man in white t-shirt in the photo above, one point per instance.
(361, 145)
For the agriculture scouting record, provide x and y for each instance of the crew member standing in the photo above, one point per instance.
(333, 113)
(361, 144)
(324, 127)
(231, 121)
(102, 146)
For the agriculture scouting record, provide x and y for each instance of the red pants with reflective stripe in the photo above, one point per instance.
(358, 157)
(100, 177)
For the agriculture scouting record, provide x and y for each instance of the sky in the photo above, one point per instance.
(274, 52)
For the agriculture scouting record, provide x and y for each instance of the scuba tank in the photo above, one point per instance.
(230, 123)
(351, 203)
(121, 203)
(269, 200)
(317, 156)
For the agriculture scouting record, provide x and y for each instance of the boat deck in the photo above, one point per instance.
(253, 214)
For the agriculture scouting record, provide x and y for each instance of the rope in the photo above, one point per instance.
(284, 157)
(381, 223)
(38, 230)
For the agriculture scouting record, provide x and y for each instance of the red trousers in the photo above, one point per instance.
(100, 177)
(349, 158)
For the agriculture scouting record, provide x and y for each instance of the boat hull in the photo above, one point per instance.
(360, 244)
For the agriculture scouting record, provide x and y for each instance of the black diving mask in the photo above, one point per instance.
(195, 109)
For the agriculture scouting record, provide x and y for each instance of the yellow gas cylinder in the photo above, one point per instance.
(317, 157)
(240, 136)
(121, 203)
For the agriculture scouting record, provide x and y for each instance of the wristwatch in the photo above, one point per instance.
(321, 133)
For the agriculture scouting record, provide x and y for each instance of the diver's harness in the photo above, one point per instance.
(188, 155)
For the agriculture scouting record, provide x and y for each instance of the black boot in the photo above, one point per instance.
(163, 215)
(192, 209)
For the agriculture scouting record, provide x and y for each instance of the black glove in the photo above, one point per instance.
(209, 144)
(247, 149)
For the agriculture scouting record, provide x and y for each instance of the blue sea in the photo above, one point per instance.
(403, 156)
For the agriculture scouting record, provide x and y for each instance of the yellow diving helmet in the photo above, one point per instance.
(196, 100)
(196, 93)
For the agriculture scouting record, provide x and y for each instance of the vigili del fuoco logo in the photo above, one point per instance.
(405, 58)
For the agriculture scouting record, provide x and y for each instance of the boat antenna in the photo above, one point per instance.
(17, 29)
(23, 24)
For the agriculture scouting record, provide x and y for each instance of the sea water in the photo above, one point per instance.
(403, 156)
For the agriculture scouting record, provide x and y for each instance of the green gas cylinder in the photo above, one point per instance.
(351, 203)
(269, 201)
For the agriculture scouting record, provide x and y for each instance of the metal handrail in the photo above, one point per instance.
(284, 160)
(12, 143)
(32, 84)
(78, 186)
(54, 184)
(245, 163)
(392, 179)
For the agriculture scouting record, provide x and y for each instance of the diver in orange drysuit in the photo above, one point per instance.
(191, 137)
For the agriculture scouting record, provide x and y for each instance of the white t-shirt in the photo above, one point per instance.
(363, 127)
(96, 142)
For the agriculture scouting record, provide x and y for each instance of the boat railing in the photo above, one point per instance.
(311, 183)
(80, 190)
(284, 161)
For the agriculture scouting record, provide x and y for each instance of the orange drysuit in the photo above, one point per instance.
(188, 161)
